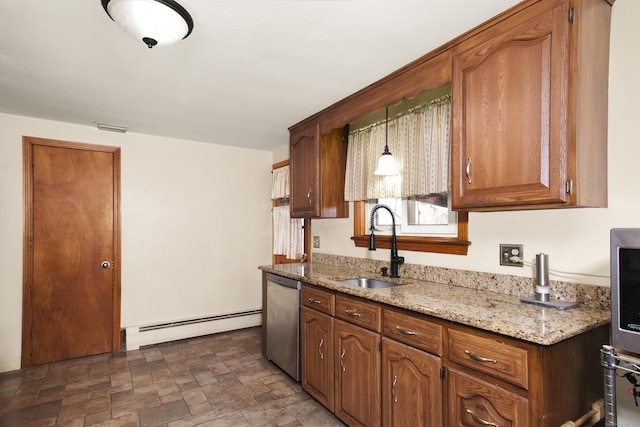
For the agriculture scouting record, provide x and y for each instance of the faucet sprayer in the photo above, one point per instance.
(396, 260)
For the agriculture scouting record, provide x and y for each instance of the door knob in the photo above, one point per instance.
(105, 264)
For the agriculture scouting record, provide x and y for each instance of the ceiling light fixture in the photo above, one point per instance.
(386, 165)
(155, 22)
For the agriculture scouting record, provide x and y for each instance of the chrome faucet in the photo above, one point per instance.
(396, 260)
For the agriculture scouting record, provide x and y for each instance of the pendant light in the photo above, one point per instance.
(154, 22)
(386, 165)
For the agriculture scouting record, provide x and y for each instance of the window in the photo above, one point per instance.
(429, 215)
(457, 245)
(418, 136)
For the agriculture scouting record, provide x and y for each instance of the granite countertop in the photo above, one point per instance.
(491, 311)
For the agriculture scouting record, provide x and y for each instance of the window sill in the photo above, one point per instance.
(418, 244)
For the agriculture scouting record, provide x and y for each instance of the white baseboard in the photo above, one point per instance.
(139, 336)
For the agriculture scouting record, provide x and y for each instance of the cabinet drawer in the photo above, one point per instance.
(318, 299)
(359, 312)
(412, 330)
(473, 402)
(491, 357)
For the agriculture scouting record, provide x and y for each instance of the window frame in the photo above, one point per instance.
(442, 245)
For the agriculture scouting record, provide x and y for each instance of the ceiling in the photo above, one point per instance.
(249, 70)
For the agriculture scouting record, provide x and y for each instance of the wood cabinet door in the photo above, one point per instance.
(475, 403)
(510, 85)
(305, 171)
(317, 356)
(411, 386)
(357, 375)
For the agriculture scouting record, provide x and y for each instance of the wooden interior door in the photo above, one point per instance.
(71, 304)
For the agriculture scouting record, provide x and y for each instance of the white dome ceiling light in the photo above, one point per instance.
(154, 22)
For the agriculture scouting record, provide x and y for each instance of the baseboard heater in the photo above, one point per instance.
(138, 336)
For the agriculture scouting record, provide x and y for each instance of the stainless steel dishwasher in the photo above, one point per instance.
(283, 323)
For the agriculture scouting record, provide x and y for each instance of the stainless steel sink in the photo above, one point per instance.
(365, 282)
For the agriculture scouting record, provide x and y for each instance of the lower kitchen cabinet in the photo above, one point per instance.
(357, 375)
(411, 386)
(495, 380)
(317, 355)
(373, 364)
(473, 403)
(341, 354)
(490, 356)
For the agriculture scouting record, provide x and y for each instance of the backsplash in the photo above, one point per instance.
(588, 295)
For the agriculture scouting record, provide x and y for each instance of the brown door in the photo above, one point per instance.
(71, 291)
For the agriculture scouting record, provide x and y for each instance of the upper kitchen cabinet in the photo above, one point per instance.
(530, 109)
(317, 166)
(318, 145)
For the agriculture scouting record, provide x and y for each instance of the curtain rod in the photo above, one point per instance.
(402, 113)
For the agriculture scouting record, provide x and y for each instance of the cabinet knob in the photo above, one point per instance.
(309, 196)
(467, 170)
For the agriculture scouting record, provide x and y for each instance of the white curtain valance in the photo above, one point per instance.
(280, 183)
(419, 140)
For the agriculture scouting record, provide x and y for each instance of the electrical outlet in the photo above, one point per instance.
(316, 241)
(511, 255)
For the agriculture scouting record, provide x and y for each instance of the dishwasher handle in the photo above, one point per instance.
(284, 281)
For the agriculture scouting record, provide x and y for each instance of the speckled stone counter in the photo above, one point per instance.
(492, 311)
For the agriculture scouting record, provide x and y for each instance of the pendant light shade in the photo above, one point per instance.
(386, 165)
(154, 22)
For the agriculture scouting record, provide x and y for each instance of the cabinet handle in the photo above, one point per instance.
(320, 348)
(393, 389)
(342, 360)
(406, 331)
(353, 313)
(315, 301)
(467, 170)
(480, 420)
(479, 358)
(309, 196)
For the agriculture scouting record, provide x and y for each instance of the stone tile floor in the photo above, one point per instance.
(217, 380)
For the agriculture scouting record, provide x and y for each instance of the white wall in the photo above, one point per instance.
(281, 153)
(577, 240)
(196, 224)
